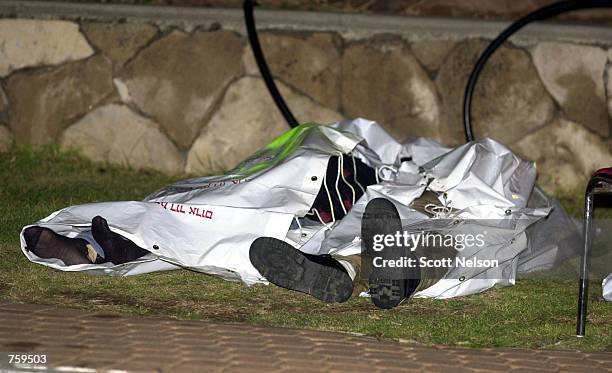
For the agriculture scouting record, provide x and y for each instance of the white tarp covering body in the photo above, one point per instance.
(607, 288)
(208, 224)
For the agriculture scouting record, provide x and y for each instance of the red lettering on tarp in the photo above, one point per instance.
(163, 204)
(177, 208)
(180, 209)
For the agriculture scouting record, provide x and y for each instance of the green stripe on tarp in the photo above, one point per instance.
(275, 152)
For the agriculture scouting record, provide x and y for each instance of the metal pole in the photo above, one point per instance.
(583, 287)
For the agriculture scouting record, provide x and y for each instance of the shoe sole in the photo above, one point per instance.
(285, 266)
(388, 286)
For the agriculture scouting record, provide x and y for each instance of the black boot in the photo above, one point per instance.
(388, 286)
(117, 249)
(47, 244)
(318, 275)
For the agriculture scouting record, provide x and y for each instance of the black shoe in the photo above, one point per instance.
(320, 276)
(388, 286)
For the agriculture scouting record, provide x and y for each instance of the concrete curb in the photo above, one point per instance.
(350, 26)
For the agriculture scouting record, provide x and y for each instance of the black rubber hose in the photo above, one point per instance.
(538, 15)
(263, 66)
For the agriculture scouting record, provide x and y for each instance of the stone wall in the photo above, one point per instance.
(191, 99)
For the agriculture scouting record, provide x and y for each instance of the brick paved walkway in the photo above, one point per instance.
(74, 338)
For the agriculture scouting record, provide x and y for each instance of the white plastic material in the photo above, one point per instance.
(208, 224)
(607, 288)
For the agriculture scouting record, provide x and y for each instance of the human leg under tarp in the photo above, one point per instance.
(325, 277)
(47, 244)
(335, 278)
(117, 249)
(321, 276)
(388, 285)
(100, 245)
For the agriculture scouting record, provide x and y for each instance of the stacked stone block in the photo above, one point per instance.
(179, 101)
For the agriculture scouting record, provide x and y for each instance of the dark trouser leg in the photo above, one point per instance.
(363, 269)
(360, 284)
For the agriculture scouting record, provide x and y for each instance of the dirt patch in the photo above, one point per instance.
(106, 316)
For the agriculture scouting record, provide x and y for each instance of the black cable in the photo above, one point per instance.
(538, 15)
(263, 66)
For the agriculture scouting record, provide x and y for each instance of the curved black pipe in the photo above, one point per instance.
(538, 15)
(263, 66)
